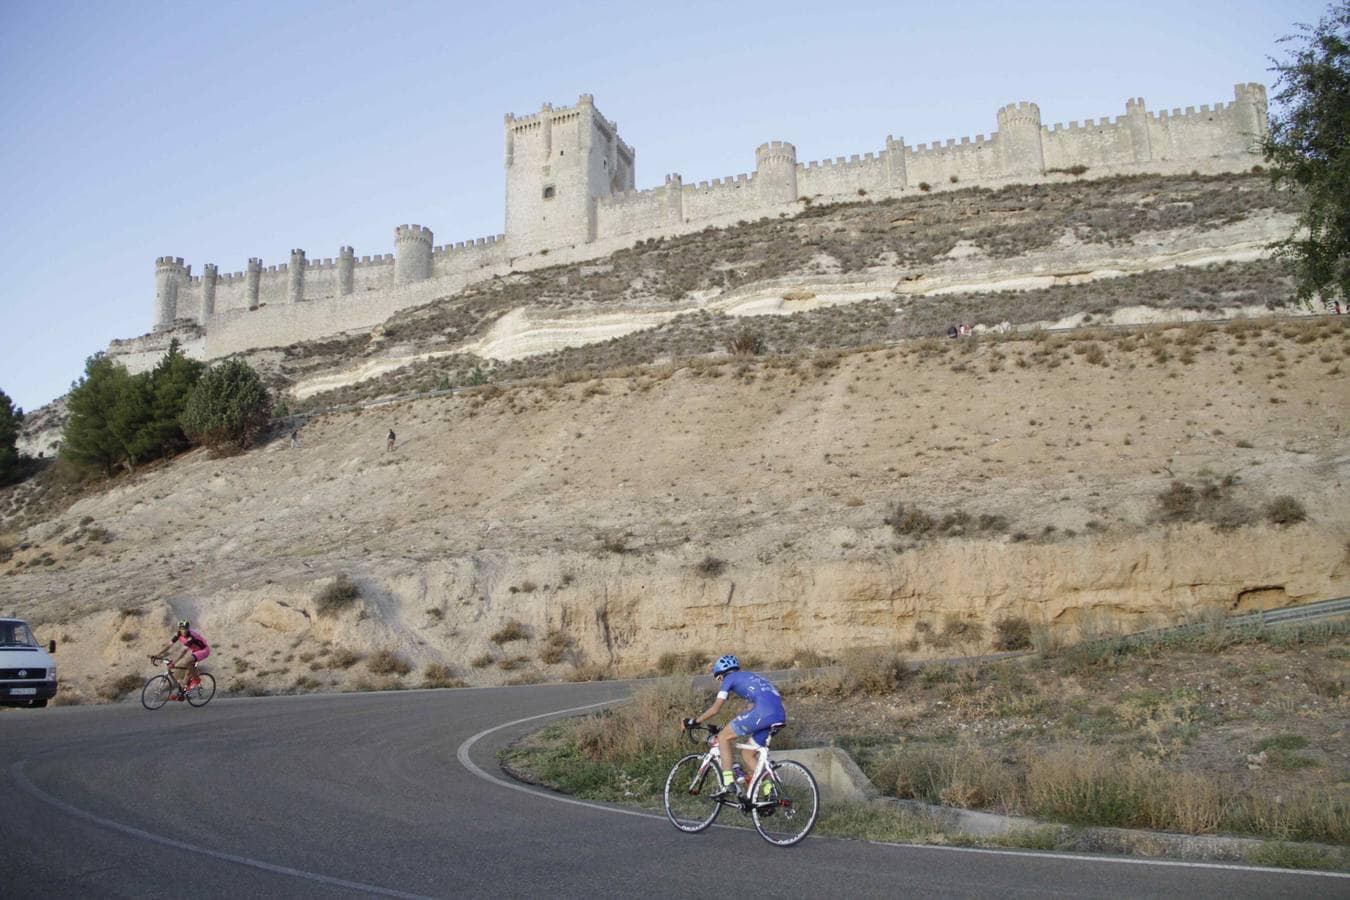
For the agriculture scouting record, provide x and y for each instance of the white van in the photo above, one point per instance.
(27, 672)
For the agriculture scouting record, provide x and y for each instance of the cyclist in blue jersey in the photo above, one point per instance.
(766, 711)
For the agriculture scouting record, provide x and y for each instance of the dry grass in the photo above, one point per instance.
(439, 675)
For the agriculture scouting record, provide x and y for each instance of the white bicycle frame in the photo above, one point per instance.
(714, 758)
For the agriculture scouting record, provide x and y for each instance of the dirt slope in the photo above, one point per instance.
(734, 503)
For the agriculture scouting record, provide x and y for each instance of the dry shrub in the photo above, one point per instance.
(746, 343)
(962, 775)
(439, 675)
(650, 724)
(711, 566)
(341, 593)
(388, 662)
(481, 662)
(1012, 633)
(802, 658)
(511, 631)
(689, 662)
(343, 658)
(556, 645)
(1285, 510)
(121, 687)
(864, 670)
(511, 663)
(590, 672)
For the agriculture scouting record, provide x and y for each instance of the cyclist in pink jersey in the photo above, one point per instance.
(193, 648)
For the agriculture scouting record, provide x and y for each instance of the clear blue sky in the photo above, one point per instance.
(222, 131)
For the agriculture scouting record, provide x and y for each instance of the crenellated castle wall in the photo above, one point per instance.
(570, 197)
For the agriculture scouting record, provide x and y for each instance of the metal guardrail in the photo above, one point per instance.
(1304, 612)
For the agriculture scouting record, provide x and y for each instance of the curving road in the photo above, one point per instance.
(398, 794)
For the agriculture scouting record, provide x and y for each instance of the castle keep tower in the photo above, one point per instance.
(170, 273)
(412, 253)
(1019, 139)
(558, 162)
(776, 172)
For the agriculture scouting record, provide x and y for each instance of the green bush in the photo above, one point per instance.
(229, 407)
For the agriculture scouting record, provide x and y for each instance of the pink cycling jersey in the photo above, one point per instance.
(194, 642)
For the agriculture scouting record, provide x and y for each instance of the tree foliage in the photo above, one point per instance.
(91, 439)
(1309, 146)
(229, 407)
(11, 417)
(171, 383)
(121, 419)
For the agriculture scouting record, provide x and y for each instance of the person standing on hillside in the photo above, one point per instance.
(389, 443)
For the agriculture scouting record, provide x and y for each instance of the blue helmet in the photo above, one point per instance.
(726, 664)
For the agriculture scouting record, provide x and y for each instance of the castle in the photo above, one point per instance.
(570, 196)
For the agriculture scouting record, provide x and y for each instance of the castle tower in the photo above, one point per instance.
(897, 170)
(170, 273)
(1252, 113)
(558, 163)
(252, 280)
(412, 253)
(1019, 139)
(295, 284)
(1136, 117)
(209, 276)
(346, 270)
(776, 172)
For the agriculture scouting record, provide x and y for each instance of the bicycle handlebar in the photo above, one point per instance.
(689, 731)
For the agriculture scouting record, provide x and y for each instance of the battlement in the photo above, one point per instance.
(1024, 112)
(866, 159)
(415, 233)
(469, 245)
(169, 262)
(731, 181)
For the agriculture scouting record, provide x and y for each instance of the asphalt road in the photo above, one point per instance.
(398, 794)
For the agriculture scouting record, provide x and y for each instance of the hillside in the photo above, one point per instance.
(569, 528)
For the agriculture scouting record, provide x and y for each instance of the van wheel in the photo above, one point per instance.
(38, 704)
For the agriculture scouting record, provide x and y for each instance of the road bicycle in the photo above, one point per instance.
(160, 689)
(783, 800)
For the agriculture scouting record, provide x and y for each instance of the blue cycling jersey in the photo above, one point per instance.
(755, 688)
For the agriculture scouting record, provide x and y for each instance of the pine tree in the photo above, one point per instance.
(171, 383)
(91, 439)
(229, 408)
(11, 417)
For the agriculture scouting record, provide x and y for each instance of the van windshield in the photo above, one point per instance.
(16, 634)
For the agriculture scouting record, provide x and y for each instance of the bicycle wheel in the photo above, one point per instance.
(202, 693)
(785, 811)
(689, 805)
(156, 692)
